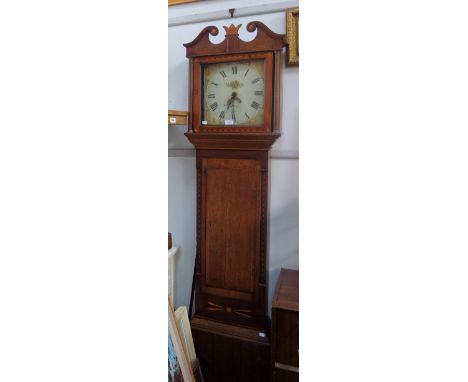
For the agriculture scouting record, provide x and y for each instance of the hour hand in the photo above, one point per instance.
(231, 100)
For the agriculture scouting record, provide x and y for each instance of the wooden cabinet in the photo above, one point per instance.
(285, 327)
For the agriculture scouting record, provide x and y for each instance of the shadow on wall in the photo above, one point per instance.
(283, 243)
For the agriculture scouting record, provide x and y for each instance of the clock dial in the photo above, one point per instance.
(234, 93)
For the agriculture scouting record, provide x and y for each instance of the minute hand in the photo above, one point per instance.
(235, 98)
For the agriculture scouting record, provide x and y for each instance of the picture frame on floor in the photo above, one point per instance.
(186, 333)
(187, 340)
(179, 366)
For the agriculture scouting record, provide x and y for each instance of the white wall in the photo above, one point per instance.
(284, 194)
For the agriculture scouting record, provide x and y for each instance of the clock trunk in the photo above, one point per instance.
(233, 193)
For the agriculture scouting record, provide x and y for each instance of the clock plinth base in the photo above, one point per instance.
(230, 352)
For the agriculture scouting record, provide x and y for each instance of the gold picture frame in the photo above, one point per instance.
(177, 2)
(292, 36)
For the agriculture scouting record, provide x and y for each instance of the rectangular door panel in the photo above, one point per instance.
(231, 226)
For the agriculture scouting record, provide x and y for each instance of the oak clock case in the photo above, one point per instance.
(234, 90)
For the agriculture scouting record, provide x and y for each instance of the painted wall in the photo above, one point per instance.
(284, 194)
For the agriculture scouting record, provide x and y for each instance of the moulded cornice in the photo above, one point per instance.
(232, 141)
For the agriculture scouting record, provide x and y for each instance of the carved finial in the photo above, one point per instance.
(232, 30)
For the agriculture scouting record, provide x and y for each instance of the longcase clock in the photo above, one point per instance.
(234, 96)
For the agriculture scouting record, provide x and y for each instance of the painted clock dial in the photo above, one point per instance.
(233, 93)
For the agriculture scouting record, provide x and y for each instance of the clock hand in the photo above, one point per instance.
(230, 103)
(231, 100)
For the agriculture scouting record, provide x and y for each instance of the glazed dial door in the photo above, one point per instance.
(233, 93)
